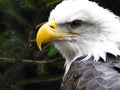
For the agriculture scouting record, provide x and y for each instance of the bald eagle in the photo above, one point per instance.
(88, 37)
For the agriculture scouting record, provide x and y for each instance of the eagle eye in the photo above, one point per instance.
(75, 23)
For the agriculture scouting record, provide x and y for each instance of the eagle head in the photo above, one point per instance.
(81, 28)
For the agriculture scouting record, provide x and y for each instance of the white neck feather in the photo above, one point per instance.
(106, 40)
(97, 39)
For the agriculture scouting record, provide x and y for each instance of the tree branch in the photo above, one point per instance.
(12, 60)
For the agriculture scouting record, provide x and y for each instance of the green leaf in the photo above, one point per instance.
(41, 69)
(52, 2)
(32, 2)
(52, 51)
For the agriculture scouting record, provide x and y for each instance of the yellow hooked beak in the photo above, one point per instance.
(49, 33)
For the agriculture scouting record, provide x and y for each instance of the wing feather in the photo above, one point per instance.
(91, 75)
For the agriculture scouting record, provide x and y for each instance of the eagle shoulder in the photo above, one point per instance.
(92, 75)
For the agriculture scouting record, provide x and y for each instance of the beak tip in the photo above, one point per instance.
(40, 48)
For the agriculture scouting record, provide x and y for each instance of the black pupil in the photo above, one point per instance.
(75, 23)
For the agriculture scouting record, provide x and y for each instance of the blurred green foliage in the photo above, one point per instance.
(22, 65)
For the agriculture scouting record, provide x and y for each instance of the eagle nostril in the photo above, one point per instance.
(52, 27)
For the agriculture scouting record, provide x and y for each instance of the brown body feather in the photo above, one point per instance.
(91, 75)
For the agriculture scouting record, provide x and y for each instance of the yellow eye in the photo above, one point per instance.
(75, 23)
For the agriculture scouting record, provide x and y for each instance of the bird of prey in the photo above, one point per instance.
(88, 37)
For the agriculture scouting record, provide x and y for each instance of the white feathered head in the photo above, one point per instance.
(81, 28)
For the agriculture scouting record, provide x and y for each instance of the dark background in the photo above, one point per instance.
(22, 65)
